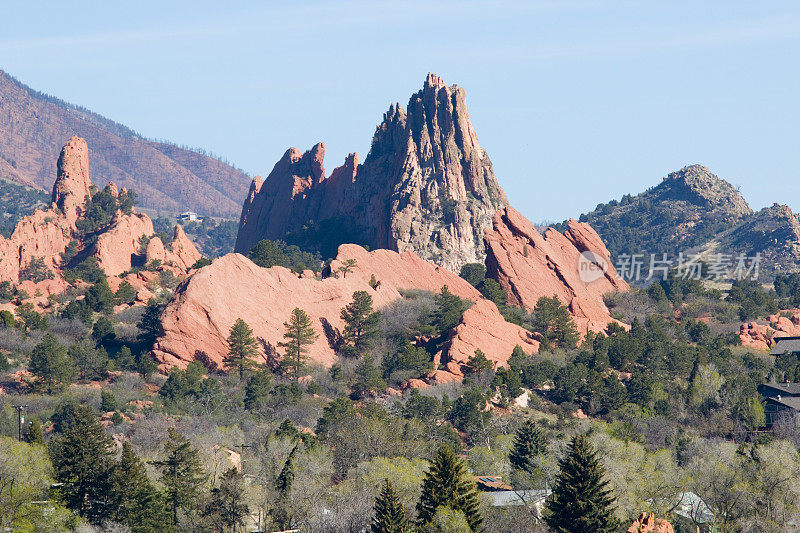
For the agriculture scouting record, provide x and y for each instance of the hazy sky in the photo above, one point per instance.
(576, 102)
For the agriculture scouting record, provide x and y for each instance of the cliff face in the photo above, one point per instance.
(426, 186)
(34, 126)
(530, 265)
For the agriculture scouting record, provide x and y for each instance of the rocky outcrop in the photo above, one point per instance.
(689, 208)
(426, 186)
(46, 233)
(483, 327)
(648, 523)
(574, 266)
(760, 336)
(200, 316)
(72, 183)
(117, 248)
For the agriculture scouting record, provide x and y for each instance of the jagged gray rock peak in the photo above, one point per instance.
(426, 186)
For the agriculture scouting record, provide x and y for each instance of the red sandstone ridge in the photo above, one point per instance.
(648, 523)
(529, 265)
(426, 186)
(200, 316)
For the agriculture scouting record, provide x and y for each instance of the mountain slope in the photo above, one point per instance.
(687, 209)
(34, 126)
(426, 185)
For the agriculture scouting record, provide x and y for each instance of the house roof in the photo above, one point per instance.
(774, 389)
(491, 483)
(785, 345)
(510, 498)
(793, 402)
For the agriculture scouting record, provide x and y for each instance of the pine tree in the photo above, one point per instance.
(51, 362)
(361, 324)
(256, 391)
(299, 335)
(82, 459)
(581, 501)
(181, 474)
(553, 321)
(390, 515)
(368, 378)
(241, 347)
(477, 363)
(529, 443)
(281, 512)
(448, 483)
(226, 507)
(136, 502)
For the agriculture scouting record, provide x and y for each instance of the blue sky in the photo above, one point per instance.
(576, 102)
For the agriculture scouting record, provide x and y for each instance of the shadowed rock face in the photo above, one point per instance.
(426, 186)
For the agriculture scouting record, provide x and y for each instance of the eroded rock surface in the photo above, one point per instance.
(530, 265)
(426, 186)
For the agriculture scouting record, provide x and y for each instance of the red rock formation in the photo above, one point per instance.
(426, 186)
(72, 179)
(200, 316)
(402, 271)
(483, 327)
(648, 523)
(529, 265)
(46, 233)
(116, 248)
(760, 336)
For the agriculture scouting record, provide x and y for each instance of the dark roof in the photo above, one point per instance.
(792, 402)
(775, 389)
(785, 345)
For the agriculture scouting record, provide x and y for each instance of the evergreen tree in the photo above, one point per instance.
(226, 507)
(477, 363)
(299, 335)
(241, 348)
(368, 378)
(103, 331)
(150, 323)
(581, 501)
(390, 515)
(256, 391)
(529, 443)
(91, 362)
(125, 293)
(448, 483)
(281, 512)
(449, 310)
(181, 474)
(36, 433)
(135, 501)
(82, 459)
(552, 320)
(100, 298)
(51, 362)
(361, 324)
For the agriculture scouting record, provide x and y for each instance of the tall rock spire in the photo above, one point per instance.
(426, 185)
(72, 178)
